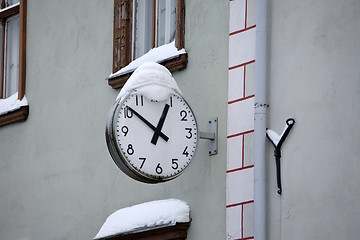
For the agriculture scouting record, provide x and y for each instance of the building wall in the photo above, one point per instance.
(240, 128)
(314, 78)
(57, 179)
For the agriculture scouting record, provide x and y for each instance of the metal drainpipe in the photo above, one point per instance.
(260, 121)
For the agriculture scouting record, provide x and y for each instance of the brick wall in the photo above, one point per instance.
(240, 163)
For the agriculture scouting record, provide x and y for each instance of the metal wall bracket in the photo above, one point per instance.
(277, 141)
(212, 136)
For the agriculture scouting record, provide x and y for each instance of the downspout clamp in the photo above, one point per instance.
(277, 141)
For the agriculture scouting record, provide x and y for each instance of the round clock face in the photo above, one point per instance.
(152, 141)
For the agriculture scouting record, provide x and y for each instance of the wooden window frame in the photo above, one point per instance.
(122, 40)
(22, 113)
(175, 232)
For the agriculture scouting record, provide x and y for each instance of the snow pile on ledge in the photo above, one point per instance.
(159, 54)
(152, 80)
(139, 217)
(12, 103)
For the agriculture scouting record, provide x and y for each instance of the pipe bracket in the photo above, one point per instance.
(277, 141)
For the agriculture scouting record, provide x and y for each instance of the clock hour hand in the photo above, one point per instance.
(163, 136)
(160, 125)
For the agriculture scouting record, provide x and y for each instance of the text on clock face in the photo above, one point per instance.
(158, 139)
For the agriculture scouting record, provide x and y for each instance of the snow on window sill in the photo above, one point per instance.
(12, 103)
(9, 7)
(167, 55)
(145, 217)
(13, 110)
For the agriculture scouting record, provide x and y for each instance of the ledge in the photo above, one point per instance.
(175, 232)
(9, 11)
(174, 64)
(18, 115)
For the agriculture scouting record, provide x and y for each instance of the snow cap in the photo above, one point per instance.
(152, 80)
(143, 216)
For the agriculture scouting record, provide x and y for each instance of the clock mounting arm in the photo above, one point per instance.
(212, 136)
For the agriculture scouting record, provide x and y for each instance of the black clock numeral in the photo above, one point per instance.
(174, 163)
(158, 169)
(125, 130)
(170, 102)
(189, 135)
(127, 113)
(130, 150)
(143, 161)
(139, 102)
(185, 152)
(183, 115)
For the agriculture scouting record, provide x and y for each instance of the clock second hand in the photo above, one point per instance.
(166, 138)
(160, 125)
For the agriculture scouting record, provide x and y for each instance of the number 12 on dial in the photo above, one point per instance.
(152, 141)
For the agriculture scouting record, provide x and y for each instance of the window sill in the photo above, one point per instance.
(176, 64)
(18, 115)
(13, 110)
(176, 232)
(167, 55)
(9, 11)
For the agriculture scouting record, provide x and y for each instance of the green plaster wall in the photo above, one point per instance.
(57, 179)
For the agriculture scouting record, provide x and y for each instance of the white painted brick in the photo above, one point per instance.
(240, 186)
(236, 84)
(234, 152)
(251, 13)
(250, 79)
(249, 149)
(242, 47)
(233, 220)
(237, 15)
(248, 220)
(241, 116)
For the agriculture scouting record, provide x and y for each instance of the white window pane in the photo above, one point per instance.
(1, 29)
(172, 21)
(12, 56)
(166, 21)
(161, 22)
(143, 27)
(11, 2)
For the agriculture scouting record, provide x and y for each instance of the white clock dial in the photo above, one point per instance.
(152, 141)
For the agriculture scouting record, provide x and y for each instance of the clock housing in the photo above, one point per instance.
(152, 141)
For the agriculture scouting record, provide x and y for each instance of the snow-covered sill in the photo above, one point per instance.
(144, 217)
(11, 104)
(9, 7)
(160, 54)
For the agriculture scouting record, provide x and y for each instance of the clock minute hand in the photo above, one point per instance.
(166, 138)
(160, 125)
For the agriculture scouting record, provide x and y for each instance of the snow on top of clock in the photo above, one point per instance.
(152, 80)
(146, 215)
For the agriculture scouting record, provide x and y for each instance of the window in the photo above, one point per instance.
(143, 25)
(153, 25)
(12, 58)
